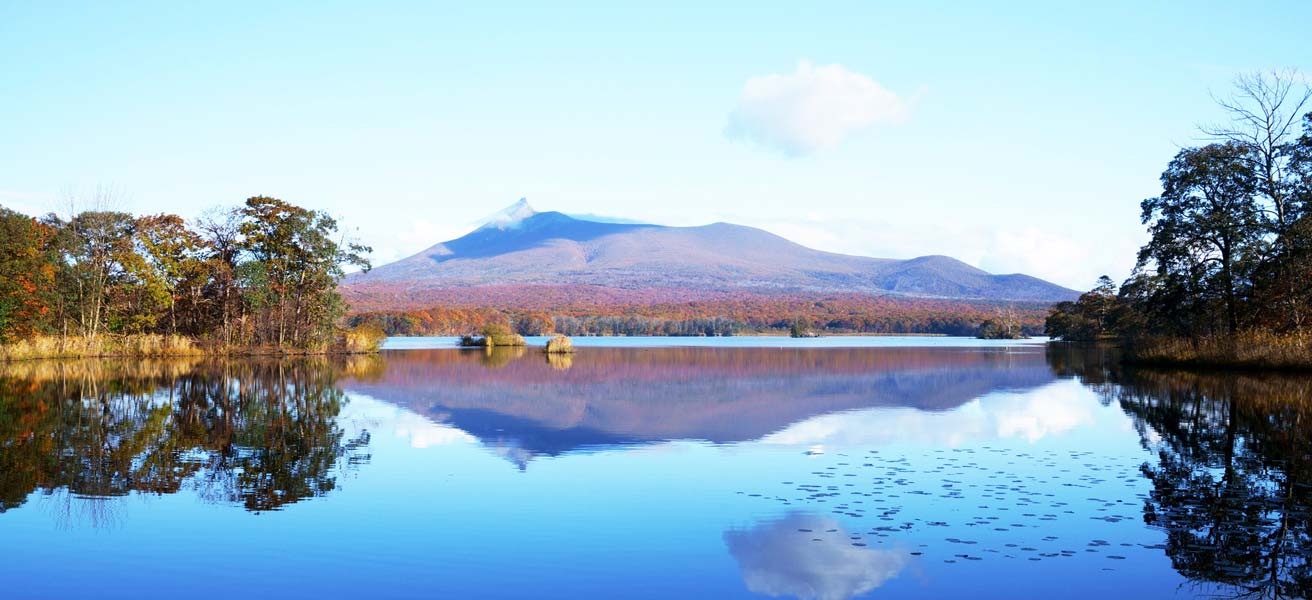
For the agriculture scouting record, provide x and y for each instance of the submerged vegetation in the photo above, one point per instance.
(1224, 278)
(100, 282)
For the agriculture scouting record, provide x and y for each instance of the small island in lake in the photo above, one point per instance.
(492, 336)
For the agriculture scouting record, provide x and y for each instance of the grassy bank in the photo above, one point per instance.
(100, 346)
(358, 341)
(1250, 350)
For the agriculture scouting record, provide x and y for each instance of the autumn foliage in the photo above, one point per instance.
(842, 313)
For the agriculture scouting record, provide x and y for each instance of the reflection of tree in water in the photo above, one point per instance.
(497, 357)
(1232, 483)
(260, 433)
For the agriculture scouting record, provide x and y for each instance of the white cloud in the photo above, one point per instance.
(813, 108)
(399, 241)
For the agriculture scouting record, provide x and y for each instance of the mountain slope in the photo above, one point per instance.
(521, 247)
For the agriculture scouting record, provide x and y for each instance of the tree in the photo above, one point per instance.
(97, 264)
(1206, 231)
(297, 263)
(1265, 111)
(27, 272)
(1093, 316)
(174, 265)
(220, 232)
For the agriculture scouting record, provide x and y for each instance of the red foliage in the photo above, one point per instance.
(461, 310)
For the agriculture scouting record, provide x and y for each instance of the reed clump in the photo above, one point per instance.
(560, 344)
(135, 345)
(1247, 350)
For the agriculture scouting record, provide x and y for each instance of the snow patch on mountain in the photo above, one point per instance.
(509, 217)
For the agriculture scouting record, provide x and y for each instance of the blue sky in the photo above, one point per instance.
(1018, 138)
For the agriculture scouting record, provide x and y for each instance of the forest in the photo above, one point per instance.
(260, 275)
(749, 314)
(1224, 277)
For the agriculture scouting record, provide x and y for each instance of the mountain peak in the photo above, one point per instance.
(519, 246)
(510, 216)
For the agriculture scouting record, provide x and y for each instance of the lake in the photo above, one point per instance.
(830, 468)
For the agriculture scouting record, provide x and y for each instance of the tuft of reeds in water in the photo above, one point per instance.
(138, 345)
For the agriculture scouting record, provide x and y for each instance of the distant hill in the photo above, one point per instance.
(523, 247)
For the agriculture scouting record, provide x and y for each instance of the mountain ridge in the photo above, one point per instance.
(521, 246)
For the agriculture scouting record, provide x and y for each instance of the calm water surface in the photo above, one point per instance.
(739, 467)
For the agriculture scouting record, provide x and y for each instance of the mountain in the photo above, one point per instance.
(522, 247)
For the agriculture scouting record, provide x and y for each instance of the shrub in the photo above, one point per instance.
(560, 344)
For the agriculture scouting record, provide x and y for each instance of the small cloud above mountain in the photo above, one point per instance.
(812, 108)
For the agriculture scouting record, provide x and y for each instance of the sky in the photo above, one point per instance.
(1018, 138)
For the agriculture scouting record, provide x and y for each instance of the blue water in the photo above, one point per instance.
(830, 468)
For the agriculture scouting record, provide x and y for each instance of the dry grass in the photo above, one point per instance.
(1249, 350)
(144, 345)
(360, 340)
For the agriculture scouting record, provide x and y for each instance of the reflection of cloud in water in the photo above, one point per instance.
(418, 429)
(777, 559)
(424, 433)
(1051, 410)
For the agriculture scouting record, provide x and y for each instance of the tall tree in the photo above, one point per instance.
(174, 264)
(1206, 229)
(297, 265)
(97, 258)
(27, 270)
(1264, 111)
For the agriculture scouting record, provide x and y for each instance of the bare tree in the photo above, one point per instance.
(1264, 110)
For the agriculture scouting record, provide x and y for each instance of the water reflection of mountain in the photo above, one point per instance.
(636, 395)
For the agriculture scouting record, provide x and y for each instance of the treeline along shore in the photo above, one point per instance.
(260, 278)
(830, 314)
(1225, 279)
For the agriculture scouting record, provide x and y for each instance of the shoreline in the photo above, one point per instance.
(153, 346)
(1250, 353)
